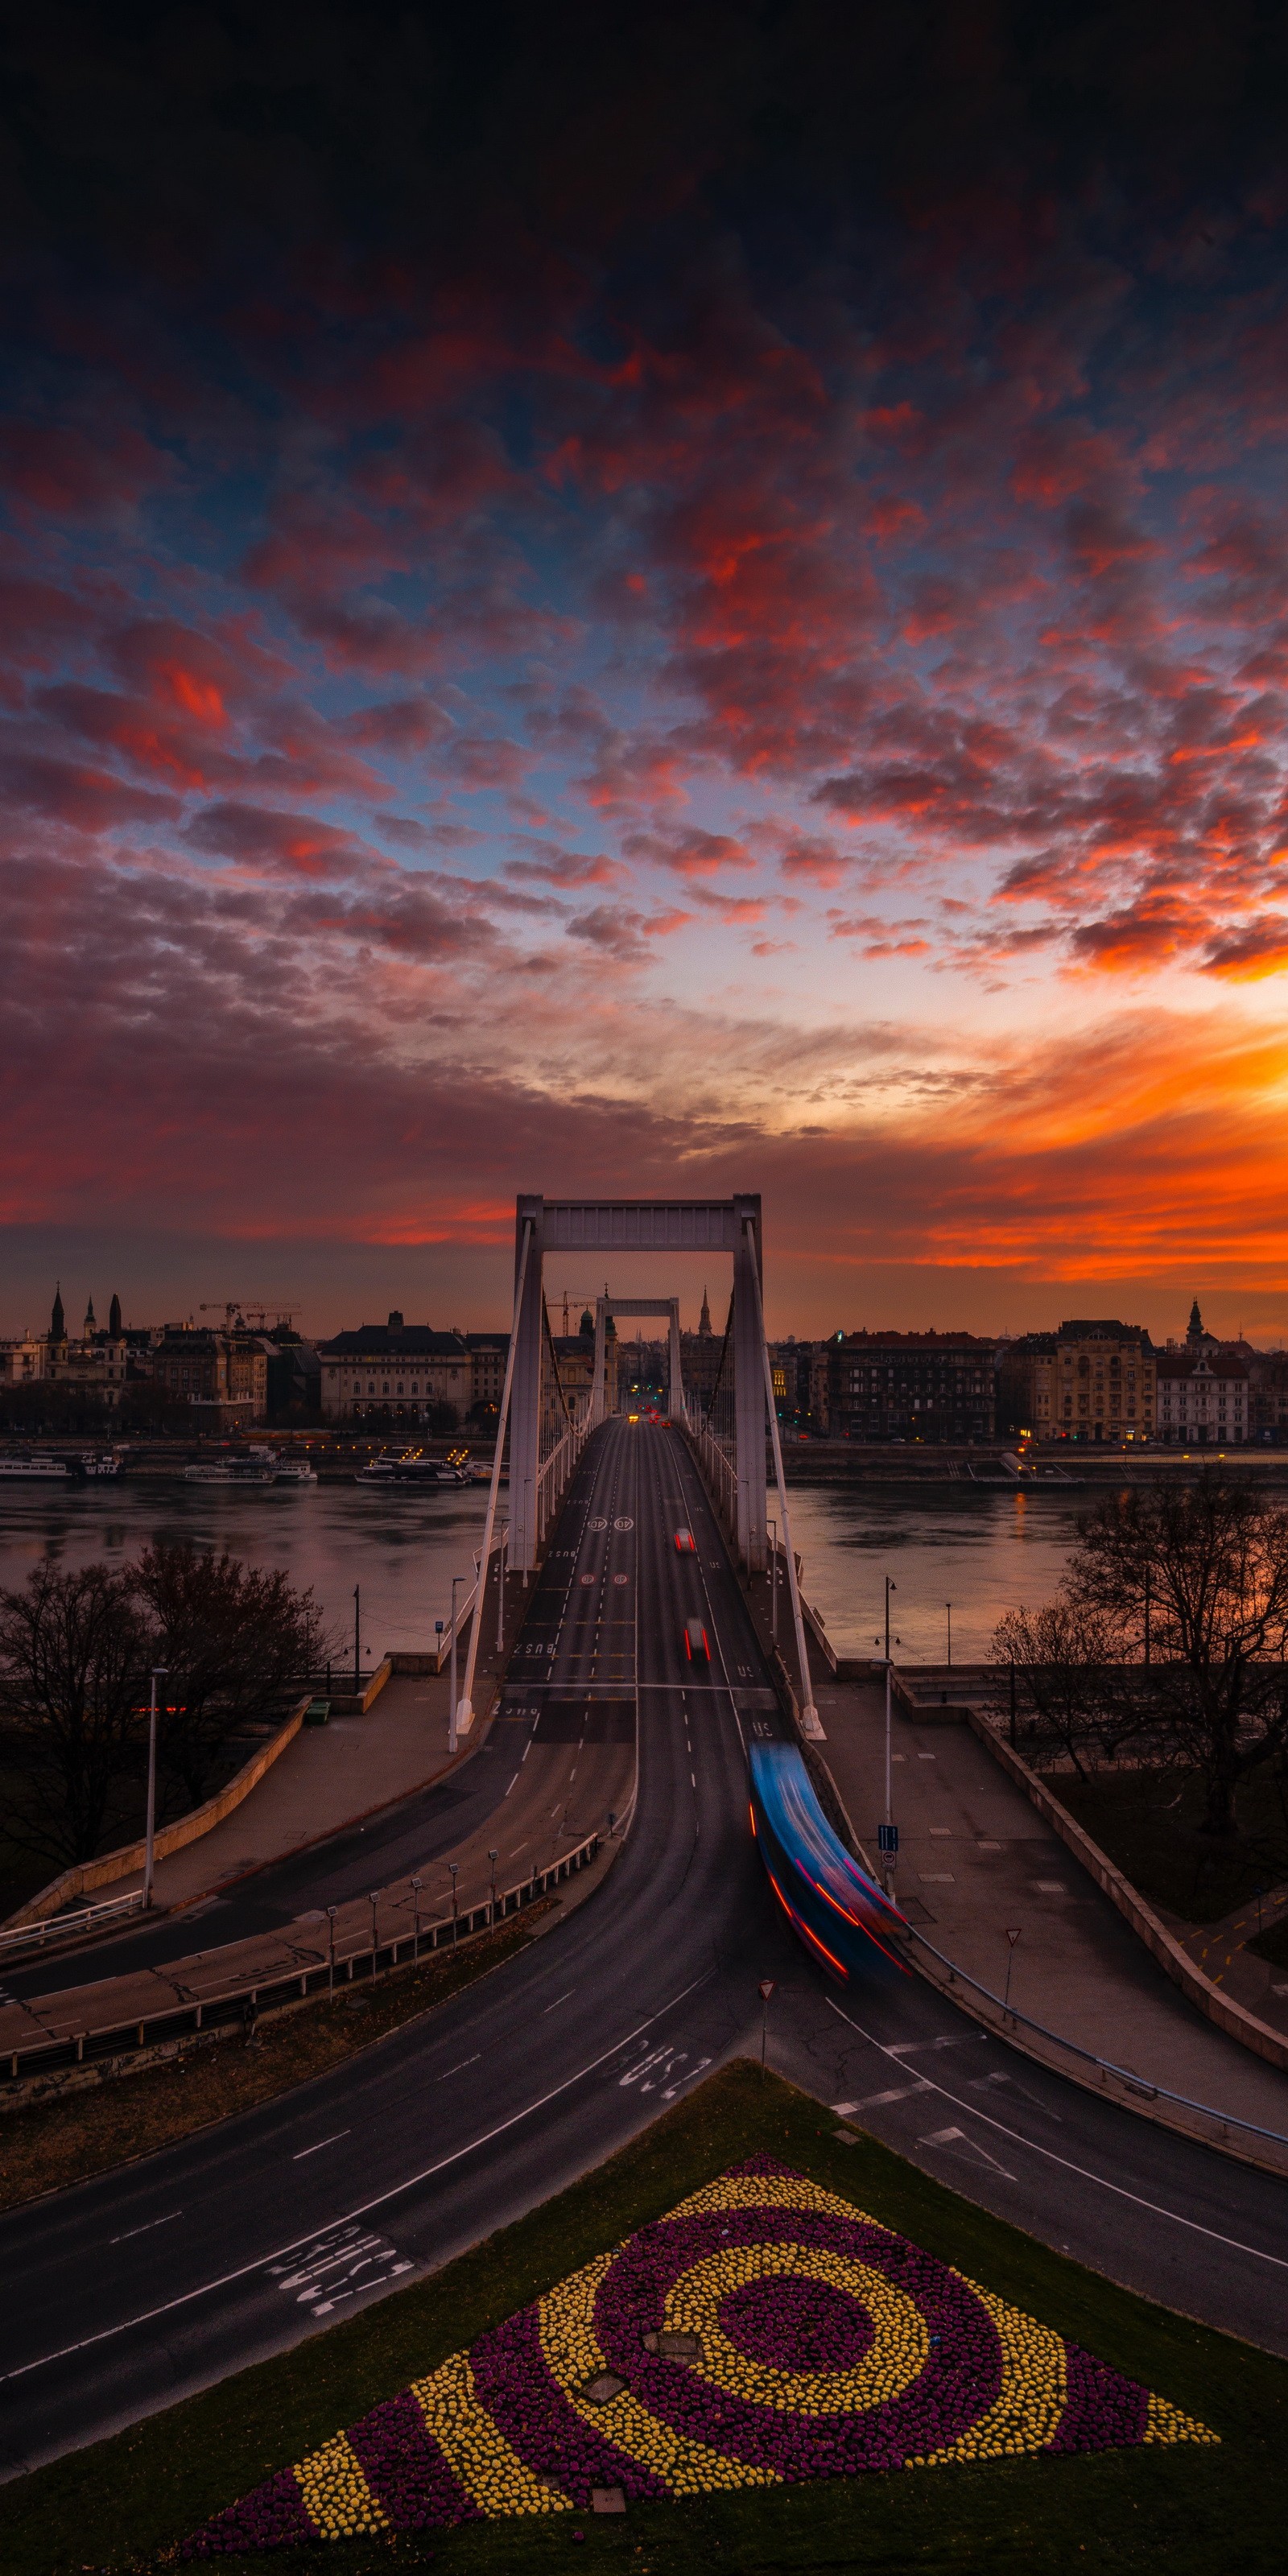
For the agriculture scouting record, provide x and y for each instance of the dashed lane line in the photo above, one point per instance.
(262, 2262)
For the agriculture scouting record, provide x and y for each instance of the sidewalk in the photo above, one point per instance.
(976, 1859)
(327, 1777)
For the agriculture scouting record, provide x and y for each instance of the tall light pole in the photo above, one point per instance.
(357, 1631)
(491, 1915)
(949, 1608)
(500, 1592)
(772, 1527)
(457, 1580)
(453, 1865)
(149, 1854)
(889, 1775)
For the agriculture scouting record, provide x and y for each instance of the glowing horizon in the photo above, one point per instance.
(586, 636)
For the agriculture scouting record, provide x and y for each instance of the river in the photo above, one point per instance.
(984, 1550)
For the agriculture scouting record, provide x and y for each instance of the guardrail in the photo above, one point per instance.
(242, 2003)
(1138, 2088)
(35, 1937)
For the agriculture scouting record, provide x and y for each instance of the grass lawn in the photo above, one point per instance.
(130, 2501)
(1149, 1823)
(51, 2144)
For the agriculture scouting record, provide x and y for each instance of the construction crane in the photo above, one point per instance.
(254, 1311)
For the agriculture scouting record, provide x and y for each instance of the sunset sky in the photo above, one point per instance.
(662, 600)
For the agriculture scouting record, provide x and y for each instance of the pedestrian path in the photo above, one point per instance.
(977, 1864)
(329, 1776)
(1221, 1951)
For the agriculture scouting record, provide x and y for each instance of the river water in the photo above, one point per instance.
(983, 1549)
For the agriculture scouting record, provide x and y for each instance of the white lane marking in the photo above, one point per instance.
(905, 2047)
(526, 1751)
(561, 1999)
(900, 2093)
(507, 1793)
(332, 2141)
(459, 2070)
(1156, 2208)
(969, 2146)
(148, 2223)
(262, 2262)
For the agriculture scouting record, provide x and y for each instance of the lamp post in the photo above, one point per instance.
(330, 1951)
(949, 1608)
(453, 1865)
(457, 1580)
(766, 1990)
(772, 1527)
(371, 1900)
(491, 1911)
(889, 1813)
(149, 1857)
(357, 1608)
(500, 1592)
(527, 1524)
(416, 1886)
(1148, 1572)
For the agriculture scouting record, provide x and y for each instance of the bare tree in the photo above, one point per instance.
(233, 1638)
(74, 1653)
(1205, 1566)
(1065, 1661)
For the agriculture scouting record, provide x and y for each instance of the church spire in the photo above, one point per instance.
(91, 1322)
(57, 1321)
(114, 1318)
(1195, 1331)
(704, 1319)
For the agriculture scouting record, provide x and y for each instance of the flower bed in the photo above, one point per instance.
(765, 2332)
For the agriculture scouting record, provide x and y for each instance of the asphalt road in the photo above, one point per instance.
(131, 2291)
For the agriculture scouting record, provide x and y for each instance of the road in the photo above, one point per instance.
(156, 2280)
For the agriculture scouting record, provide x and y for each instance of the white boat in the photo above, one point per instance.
(295, 1471)
(239, 1472)
(104, 1466)
(34, 1467)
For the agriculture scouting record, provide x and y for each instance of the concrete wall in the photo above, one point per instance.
(87, 1876)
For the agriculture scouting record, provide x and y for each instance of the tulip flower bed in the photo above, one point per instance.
(764, 2333)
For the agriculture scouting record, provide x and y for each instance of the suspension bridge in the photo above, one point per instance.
(728, 1424)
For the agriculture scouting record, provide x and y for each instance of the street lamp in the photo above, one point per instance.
(457, 1580)
(453, 1865)
(330, 1962)
(500, 1592)
(357, 1608)
(772, 1527)
(149, 1857)
(491, 1915)
(417, 1884)
(371, 1900)
(949, 1608)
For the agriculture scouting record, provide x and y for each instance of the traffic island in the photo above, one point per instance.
(1049, 2414)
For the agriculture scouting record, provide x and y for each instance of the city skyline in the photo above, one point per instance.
(638, 635)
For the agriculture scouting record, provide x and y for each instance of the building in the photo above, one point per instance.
(1092, 1380)
(222, 1374)
(91, 1366)
(1203, 1398)
(904, 1386)
(791, 1366)
(395, 1371)
(488, 1355)
(22, 1362)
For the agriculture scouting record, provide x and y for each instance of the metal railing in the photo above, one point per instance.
(1138, 2086)
(314, 1976)
(65, 1927)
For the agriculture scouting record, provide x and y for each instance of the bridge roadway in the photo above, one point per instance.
(131, 2291)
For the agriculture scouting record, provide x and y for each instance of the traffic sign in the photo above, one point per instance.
(766, 1988)
(888, 1839)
